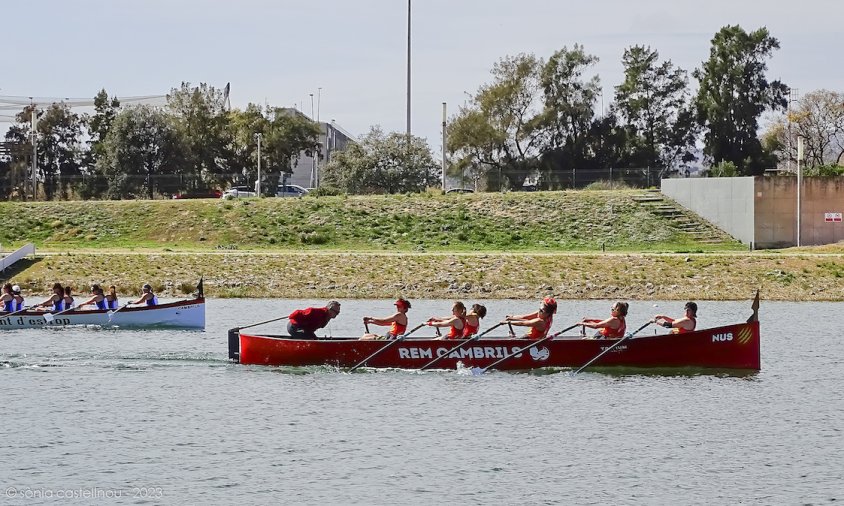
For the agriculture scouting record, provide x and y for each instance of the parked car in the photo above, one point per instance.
(209, 194)
(238, 192)
(290, 190)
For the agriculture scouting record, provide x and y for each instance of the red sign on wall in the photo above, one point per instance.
(833, 217)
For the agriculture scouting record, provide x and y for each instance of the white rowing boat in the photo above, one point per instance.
(181, 314)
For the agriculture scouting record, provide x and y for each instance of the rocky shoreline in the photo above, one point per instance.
(304, 275)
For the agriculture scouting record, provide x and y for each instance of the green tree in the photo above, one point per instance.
(382, 163)
(654, 102)
(288, 133)
(142, 154)
(59, 149)
(203, 121)
(244, 151)
(567, 117)
(733, 94)
(94, 183)
(500, 132)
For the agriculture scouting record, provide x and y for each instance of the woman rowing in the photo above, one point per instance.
(55, 302)
(397, 321)
(547, 302)
(97, 298)
(538, 323)
(67, 298)
(614, 326)
(111, 297)
(456, 322)
(473, 320)
(16, 292)
(686, 323)
(7, 299)
(148, 298)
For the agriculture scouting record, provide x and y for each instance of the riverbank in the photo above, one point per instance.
(787, 276)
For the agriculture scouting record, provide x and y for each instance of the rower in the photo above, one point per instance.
(303, 323)
(686, 323)
(7, 299)
(16, 291)
(548, 302)
(397, 322)
(97, 298)
(68, 298)
(539, 323)
(148, 298)
(111, 297)
(611, 328)
(56, 300)
(456, 322)
(473, 320)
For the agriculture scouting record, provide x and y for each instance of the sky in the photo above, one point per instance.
(351, 54)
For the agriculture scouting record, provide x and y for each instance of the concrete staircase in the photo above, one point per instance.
(680, 218)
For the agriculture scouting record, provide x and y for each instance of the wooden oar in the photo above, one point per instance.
(49, 317)
(386, 347)
(526, 348)
(628, 336)
(115, 311)
(20, 311)
(263, 323)
(461, 345)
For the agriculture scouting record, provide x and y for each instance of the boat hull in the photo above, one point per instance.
(728, 347)
(188, 314)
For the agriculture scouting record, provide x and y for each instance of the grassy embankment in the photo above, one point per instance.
(520, 245)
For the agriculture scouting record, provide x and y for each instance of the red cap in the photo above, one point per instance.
(402, 303)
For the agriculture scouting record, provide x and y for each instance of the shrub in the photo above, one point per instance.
(603, 185)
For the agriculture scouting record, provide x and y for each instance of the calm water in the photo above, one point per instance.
(155, 416)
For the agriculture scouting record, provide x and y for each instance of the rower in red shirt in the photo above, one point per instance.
(397, 322)
(455, 323)
(686, 323)
(303, 323)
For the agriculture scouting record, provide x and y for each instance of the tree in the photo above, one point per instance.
(382, 163)
(59, 149)
(568, 112)
(288, 133)
(734, 92)
(499, 130)
(142, 154)
(203, 121)
(245, 124)
(94, 183)
(819, 118)
(654, 102)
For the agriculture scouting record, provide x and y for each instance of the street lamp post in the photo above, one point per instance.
(408, 73)
(258, 137)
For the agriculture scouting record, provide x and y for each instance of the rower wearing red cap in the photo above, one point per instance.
(397, 322)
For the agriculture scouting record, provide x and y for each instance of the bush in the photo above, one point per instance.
(723, 169)
(824, 170)
(603, 185)
(325, 191)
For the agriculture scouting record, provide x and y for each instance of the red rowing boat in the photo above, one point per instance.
(729, 347)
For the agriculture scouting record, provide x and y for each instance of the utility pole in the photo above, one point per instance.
(799, 183)
(445, 138)
(258, 183)
(408, 74)
(34, 152)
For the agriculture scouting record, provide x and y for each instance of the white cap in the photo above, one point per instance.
(16, 288)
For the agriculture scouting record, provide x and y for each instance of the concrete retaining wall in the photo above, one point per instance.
(763, 211)
(726, 202)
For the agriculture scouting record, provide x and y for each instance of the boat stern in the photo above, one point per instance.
(234, 345)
